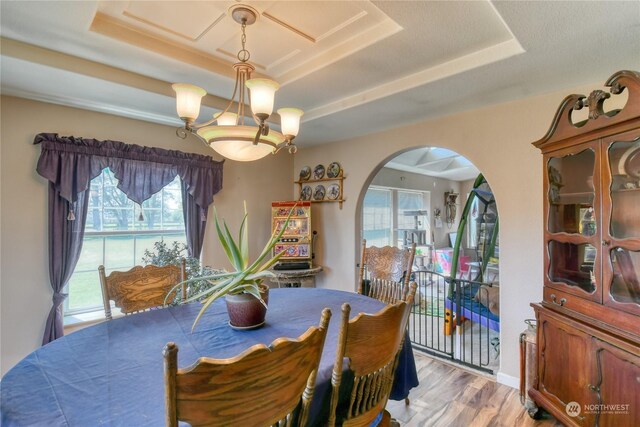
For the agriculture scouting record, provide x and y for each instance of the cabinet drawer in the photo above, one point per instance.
(625, 322)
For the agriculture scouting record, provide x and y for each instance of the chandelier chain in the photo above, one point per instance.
(243, 54)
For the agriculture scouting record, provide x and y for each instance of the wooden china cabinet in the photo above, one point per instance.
(588, 371)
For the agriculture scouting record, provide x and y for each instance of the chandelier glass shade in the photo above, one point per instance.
(230, 136)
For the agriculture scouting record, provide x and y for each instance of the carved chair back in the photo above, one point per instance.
(262, 386)
(140, 288)
(387, 264)
(372, 343)
(387, 291)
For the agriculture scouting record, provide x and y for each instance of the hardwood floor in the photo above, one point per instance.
(453, 397)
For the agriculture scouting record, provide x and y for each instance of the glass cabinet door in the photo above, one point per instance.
(572, 221)
(622, 236)
(572, 194)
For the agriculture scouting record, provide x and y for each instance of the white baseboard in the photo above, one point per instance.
(513, 382)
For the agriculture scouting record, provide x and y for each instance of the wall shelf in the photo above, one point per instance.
(338, 180)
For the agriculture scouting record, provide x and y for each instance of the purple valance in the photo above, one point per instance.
(70, 164)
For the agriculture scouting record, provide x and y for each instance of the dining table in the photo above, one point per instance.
(112, 373)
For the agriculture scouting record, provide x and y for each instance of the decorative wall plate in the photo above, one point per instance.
(319, 192)
(334, 170)
(333, 192)
(305, 194)
(305, 173)
(318, 172)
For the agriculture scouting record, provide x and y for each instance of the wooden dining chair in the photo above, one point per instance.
(262, 386)
(388, 264)
(372, 343)
(141, 288)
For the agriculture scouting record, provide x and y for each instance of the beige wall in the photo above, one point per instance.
(497, 140)
(24, 283)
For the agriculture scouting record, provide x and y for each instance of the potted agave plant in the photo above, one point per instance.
(245, 293)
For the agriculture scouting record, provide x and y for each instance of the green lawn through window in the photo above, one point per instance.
(123, 253)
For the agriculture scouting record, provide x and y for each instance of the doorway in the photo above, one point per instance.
(423, 196)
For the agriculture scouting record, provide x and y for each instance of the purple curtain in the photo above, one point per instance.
(65, 244)
(195, 221)
(70, 163)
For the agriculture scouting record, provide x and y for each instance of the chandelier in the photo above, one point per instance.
(230, 136)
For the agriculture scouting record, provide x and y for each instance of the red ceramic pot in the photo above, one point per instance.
(246, 311)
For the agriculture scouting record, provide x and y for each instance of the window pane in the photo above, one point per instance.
(408, 206)
(413, 219)
(84, 290)
(376, 221)
(119, 252)
(146, 242)
(92, 254)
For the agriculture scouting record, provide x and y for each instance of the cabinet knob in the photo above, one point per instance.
(605, 243)
(593, 388)
(561, 303)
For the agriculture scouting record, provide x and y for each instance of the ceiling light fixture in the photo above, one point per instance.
(230, 137)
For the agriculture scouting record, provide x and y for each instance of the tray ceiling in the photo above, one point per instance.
(287, 36)
(355, 67)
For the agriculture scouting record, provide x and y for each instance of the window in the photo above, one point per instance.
(376, 217)
(388, 214)
(117, 233)
(412, 216)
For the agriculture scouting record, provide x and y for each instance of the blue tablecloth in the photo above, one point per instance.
(112, 373)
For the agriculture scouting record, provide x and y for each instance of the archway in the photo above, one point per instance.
(419, 195)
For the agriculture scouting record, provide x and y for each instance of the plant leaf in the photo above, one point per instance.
(260, 275)
(221, 237)
(272, 242)
(208, 291)
(243, 242)
(255, 291)
(270, 262)
(223, 290)
(211, 279)
(237, 262)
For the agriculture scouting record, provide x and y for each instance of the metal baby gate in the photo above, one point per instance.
(450, 319)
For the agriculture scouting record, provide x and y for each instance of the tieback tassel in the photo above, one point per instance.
(71, 216)
(141, 216)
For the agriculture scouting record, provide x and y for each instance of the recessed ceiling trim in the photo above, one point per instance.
(343, 25)
(119, 30)
(349, 46)
(458, 174)
(286, 57)
(289, 27)
(433, 161)
(458, 65)
(169, 30)
(85, 67)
